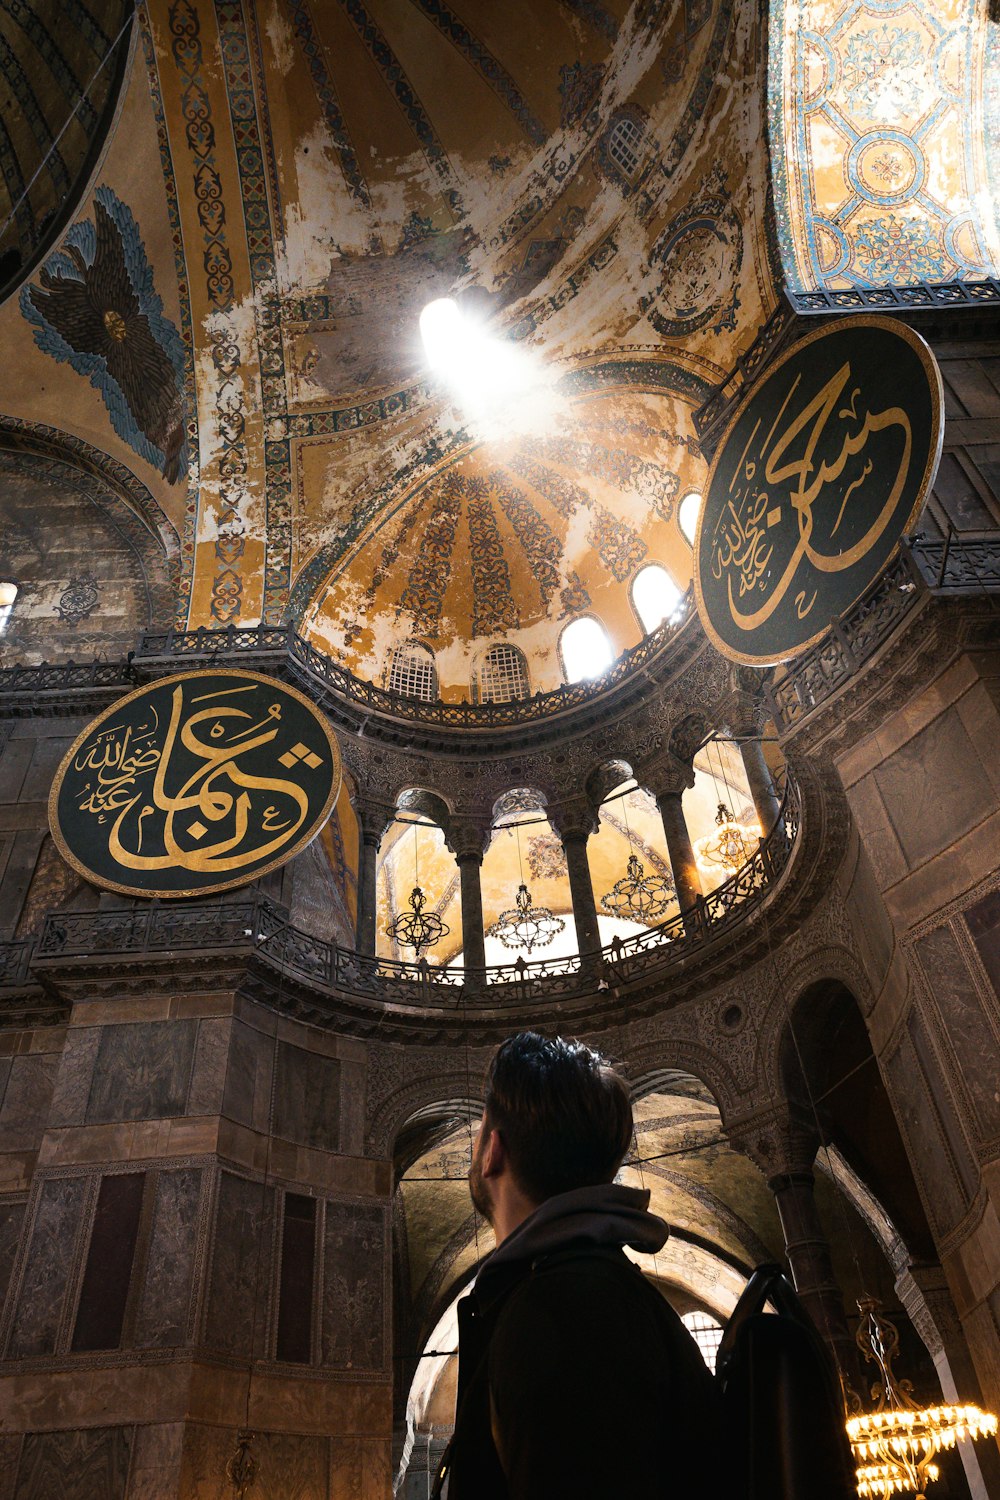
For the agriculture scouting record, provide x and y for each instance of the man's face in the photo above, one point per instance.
(478, 1190)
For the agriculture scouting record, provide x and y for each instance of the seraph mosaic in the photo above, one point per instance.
(96, 309)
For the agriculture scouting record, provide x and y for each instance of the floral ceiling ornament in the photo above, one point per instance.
(78, 599)
(729, 847)
(895, 1445)
(525, 925)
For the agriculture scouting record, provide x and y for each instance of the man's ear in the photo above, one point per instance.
(494, 1157)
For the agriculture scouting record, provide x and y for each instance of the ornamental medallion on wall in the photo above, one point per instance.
(195, 784)
(824, 467)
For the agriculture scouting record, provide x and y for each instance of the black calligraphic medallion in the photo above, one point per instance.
(823, 468)
(195, 784)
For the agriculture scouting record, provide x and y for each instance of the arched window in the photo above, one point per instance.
(707, 1334)
(501, 675)
(585, 649)
(687, 516)
(8, 593)
(623, 144)
(412, 673)
(654, 596)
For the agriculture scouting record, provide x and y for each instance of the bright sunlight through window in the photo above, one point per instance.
(8, 593)
(586, 650)
(500, 387)
(655, 596)
(687, 516)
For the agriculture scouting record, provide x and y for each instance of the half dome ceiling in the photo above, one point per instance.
(291, 182)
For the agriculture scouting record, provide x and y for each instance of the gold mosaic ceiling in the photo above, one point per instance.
(233, 315)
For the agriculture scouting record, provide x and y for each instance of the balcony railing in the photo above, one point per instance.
(261, 927)
(259, 640)
(957, 565)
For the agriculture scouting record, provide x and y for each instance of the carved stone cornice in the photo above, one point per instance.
(780, 1140)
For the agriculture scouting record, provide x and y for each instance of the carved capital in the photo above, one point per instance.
(467, 838)
(665, 775)
(374, 819)
(781, 1143)
(573, 818)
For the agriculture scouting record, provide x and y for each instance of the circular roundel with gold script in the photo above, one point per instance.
(194, 784)
(823, 468)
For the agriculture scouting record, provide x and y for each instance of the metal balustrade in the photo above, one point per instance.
(278, 640)
(257, 925)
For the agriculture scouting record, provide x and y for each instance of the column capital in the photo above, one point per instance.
(374, 819)
(666, 776)
(467, 838)
(745, 713)
(573, 819)
(779, 1141)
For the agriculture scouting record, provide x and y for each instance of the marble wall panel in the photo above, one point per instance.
(292, 1467)
(26, 1099)
(155, 1470)
(241, 1266)
(972, 1035)
(87, 1465)
(983, 922)
(307, 1098)
(143, 1071)
(48, 1266)
(933, 1164)
(247, 1074)
(208, 1078)
(934, 788)
(162, 1320)
(11, 1219)
(355, 1255)
(75, 1076)
(10, 1457)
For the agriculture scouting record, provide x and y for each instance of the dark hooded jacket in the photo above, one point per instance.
(575, 1377)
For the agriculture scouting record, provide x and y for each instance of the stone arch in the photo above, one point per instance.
(606, 778)
(650, 1064)
(437, 1091)
(93, 556)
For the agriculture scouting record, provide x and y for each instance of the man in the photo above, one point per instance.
(576, 1379)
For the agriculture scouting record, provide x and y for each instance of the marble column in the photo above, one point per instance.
(785, 1150)
(680, 850)
(372, 823)
(575, 824)
(473, 937)
(761, 785)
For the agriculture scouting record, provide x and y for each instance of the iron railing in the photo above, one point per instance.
(259, 925)
(959, 564)
(66, 677)
(922, 294)
(204, 643)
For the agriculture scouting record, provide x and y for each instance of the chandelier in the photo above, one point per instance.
(895, 1445)
(417, 928)
(730, 846)
(524, 925)
(638, 897)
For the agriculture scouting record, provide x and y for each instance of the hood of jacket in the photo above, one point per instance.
(607, 1216)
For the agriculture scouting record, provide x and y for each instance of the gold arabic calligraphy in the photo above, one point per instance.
(132, 773)
(742, 550)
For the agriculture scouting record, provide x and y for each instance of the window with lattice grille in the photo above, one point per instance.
(413, 674)
(502, 675)
(707, 1334)
(624, 145)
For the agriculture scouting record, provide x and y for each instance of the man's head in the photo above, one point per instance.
(557, 1117)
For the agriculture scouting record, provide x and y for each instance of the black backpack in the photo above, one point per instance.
(783, 1411)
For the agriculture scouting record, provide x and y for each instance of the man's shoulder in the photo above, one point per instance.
(581, 1279)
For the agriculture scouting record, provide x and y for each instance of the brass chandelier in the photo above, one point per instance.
(525, 925)
(417, 928)
(637, 897)
(895, 1445)
(729, 847)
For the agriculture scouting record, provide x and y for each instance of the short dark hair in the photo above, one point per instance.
(563, 1113)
